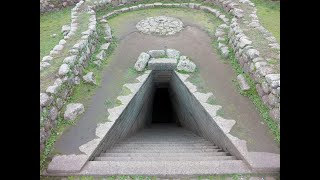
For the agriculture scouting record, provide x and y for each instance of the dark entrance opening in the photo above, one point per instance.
(162, 107)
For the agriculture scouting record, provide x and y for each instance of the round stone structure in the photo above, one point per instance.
(160, 25)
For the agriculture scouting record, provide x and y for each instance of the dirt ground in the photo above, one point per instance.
(193, 42)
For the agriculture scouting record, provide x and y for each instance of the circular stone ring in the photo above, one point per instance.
(160, 25)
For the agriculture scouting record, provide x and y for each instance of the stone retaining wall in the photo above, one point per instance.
(133, 118)
(69, 74)
(195, 117)
(52, 5)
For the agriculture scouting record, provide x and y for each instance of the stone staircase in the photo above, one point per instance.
(166, 149)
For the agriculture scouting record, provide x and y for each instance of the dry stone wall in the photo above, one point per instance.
(52, 5)
(68, 76)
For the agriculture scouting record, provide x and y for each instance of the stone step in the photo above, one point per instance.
(162, 148)
(164, 141)
(171, 158)
(202, 145)
(158, 168)
(124, 150)
(167, 138)
(203, 154)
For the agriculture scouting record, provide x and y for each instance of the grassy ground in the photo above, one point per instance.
(51, 23)
(47, 76)
(269, 16)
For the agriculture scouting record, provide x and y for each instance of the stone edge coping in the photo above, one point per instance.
(258, 161)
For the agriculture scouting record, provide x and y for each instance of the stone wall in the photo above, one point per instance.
(193, 116)
(68, 76)
(133, 118)
(52, 5)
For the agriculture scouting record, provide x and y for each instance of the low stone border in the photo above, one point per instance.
(59, 47)
(72, 164)
(69, 75)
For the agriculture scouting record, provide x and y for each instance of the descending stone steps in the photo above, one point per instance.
(166, 158)
(164, 143)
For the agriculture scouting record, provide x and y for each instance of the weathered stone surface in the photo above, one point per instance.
(44, 65)
(219, 33)
(53, 113)
(90, 146)
(244, 42)
(157, 53)
(186, 65)
(272, 99)
(65, 29)
(252, 53)
(172, 53)
(259, 90)
(225, 51)
(105, 46)
(162, 64)
(62, 42)
(265, 70)
(98, 63)
(265, 87)
(101, 56)
(243, 83)
(53, 89)
(89, 78)
(272, 77)
(275, 114)
(73, 110)
(64, 69)
(47, 59)
(58, 47)
(67, 163)
(77, 80)
(202, 97)
(45, 100)
(142, 61)
(59, 103)
(160, 25)
(70, 60)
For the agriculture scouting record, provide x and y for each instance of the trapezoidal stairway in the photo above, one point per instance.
(164, 128)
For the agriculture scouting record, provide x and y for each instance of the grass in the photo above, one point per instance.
(51, 23)
(269, 16)
(47, 76)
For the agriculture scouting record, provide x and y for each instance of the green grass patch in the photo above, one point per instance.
(51, 23)
(47, 76)
(269, 16)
